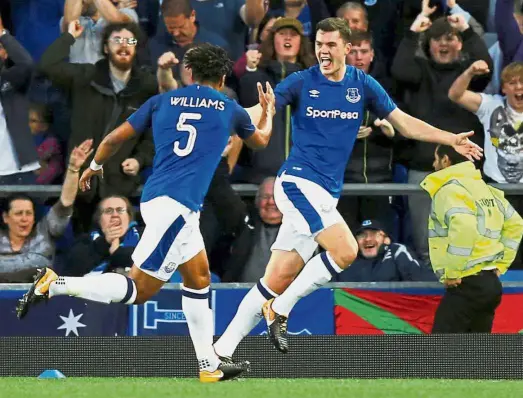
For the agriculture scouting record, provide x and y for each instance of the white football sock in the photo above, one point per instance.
(104, 288)
(317, 272)
(246, 318)
(195, 306)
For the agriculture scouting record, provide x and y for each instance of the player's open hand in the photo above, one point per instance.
(85, 179)
(467, 148)
(478, 68)
(267, 99)
(167, 60)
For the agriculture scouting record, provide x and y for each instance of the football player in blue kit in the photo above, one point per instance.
(191, 127)
(328, 103)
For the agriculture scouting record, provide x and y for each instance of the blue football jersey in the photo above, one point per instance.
(326, 117)
(191, 127)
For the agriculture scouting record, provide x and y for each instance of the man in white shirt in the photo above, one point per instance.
(94, 16)
(502, 119)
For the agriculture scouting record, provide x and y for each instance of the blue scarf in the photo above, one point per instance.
(130, 239)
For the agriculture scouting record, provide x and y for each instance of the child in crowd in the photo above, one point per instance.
(47, 145)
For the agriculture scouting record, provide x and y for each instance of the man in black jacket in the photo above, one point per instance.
(371, 158)
(380, 260)
(449, 47)
(103, 96)
(19, 159)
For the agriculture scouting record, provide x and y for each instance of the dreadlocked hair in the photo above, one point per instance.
(208, 63)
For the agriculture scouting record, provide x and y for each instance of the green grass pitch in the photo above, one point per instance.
(20, 387)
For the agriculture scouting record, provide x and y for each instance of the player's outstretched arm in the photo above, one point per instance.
(261, 136)
(107, 148)
(458, 91)
(416, 129)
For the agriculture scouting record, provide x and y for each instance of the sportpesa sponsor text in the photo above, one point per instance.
(331, 114)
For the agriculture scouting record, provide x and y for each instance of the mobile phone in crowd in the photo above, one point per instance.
(253, 46)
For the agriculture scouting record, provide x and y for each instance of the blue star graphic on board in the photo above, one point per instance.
(71, 323)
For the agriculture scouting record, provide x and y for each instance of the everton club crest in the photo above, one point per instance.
(353, 95)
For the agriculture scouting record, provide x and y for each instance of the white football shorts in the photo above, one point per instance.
(171, 237)
(307, 210)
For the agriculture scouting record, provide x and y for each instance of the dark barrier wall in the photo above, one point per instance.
(391, 356)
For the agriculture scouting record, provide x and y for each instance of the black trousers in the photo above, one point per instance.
(470, 306)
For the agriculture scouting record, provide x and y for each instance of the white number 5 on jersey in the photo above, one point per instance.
(183, 126)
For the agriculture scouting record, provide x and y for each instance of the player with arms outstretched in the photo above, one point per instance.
(191, 127)
(328, 102)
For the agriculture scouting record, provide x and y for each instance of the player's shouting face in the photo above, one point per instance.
(331, 51)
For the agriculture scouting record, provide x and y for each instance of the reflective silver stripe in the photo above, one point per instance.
(480, 260)
(510, 243)
(433, 234)
(459, 251)
(492, 234)
(501, 207)
(438, 228)
(456, 210)
(488, 233)
(508, 212)
(438, 231)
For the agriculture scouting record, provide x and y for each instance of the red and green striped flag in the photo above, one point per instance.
(378, 312)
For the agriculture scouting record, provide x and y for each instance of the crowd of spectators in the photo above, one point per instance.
(72, 70)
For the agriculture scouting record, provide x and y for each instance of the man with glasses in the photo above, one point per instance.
(102, 97)
(94, 16)
(109, 246)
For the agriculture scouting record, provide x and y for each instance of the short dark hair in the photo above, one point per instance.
(336, 25)
(441, 27)
(117, 27)
(451, 153)
(208, 63)
(7, 207)
(359, 36)
(16, 196)
(173, 8)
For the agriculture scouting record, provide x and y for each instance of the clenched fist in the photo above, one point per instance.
(478, 68)
(75, 29)
(167, 60)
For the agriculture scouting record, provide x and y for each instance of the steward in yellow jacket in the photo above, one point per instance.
(473, 231)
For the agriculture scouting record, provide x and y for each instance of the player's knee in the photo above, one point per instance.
(278, 282)
(142, 294)
(345, 254)
(197, 280)
(280, 278)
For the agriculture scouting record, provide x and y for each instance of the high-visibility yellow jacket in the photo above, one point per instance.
(471, 224)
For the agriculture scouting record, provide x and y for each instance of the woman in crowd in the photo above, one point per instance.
(286, 50)
(26, 244)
